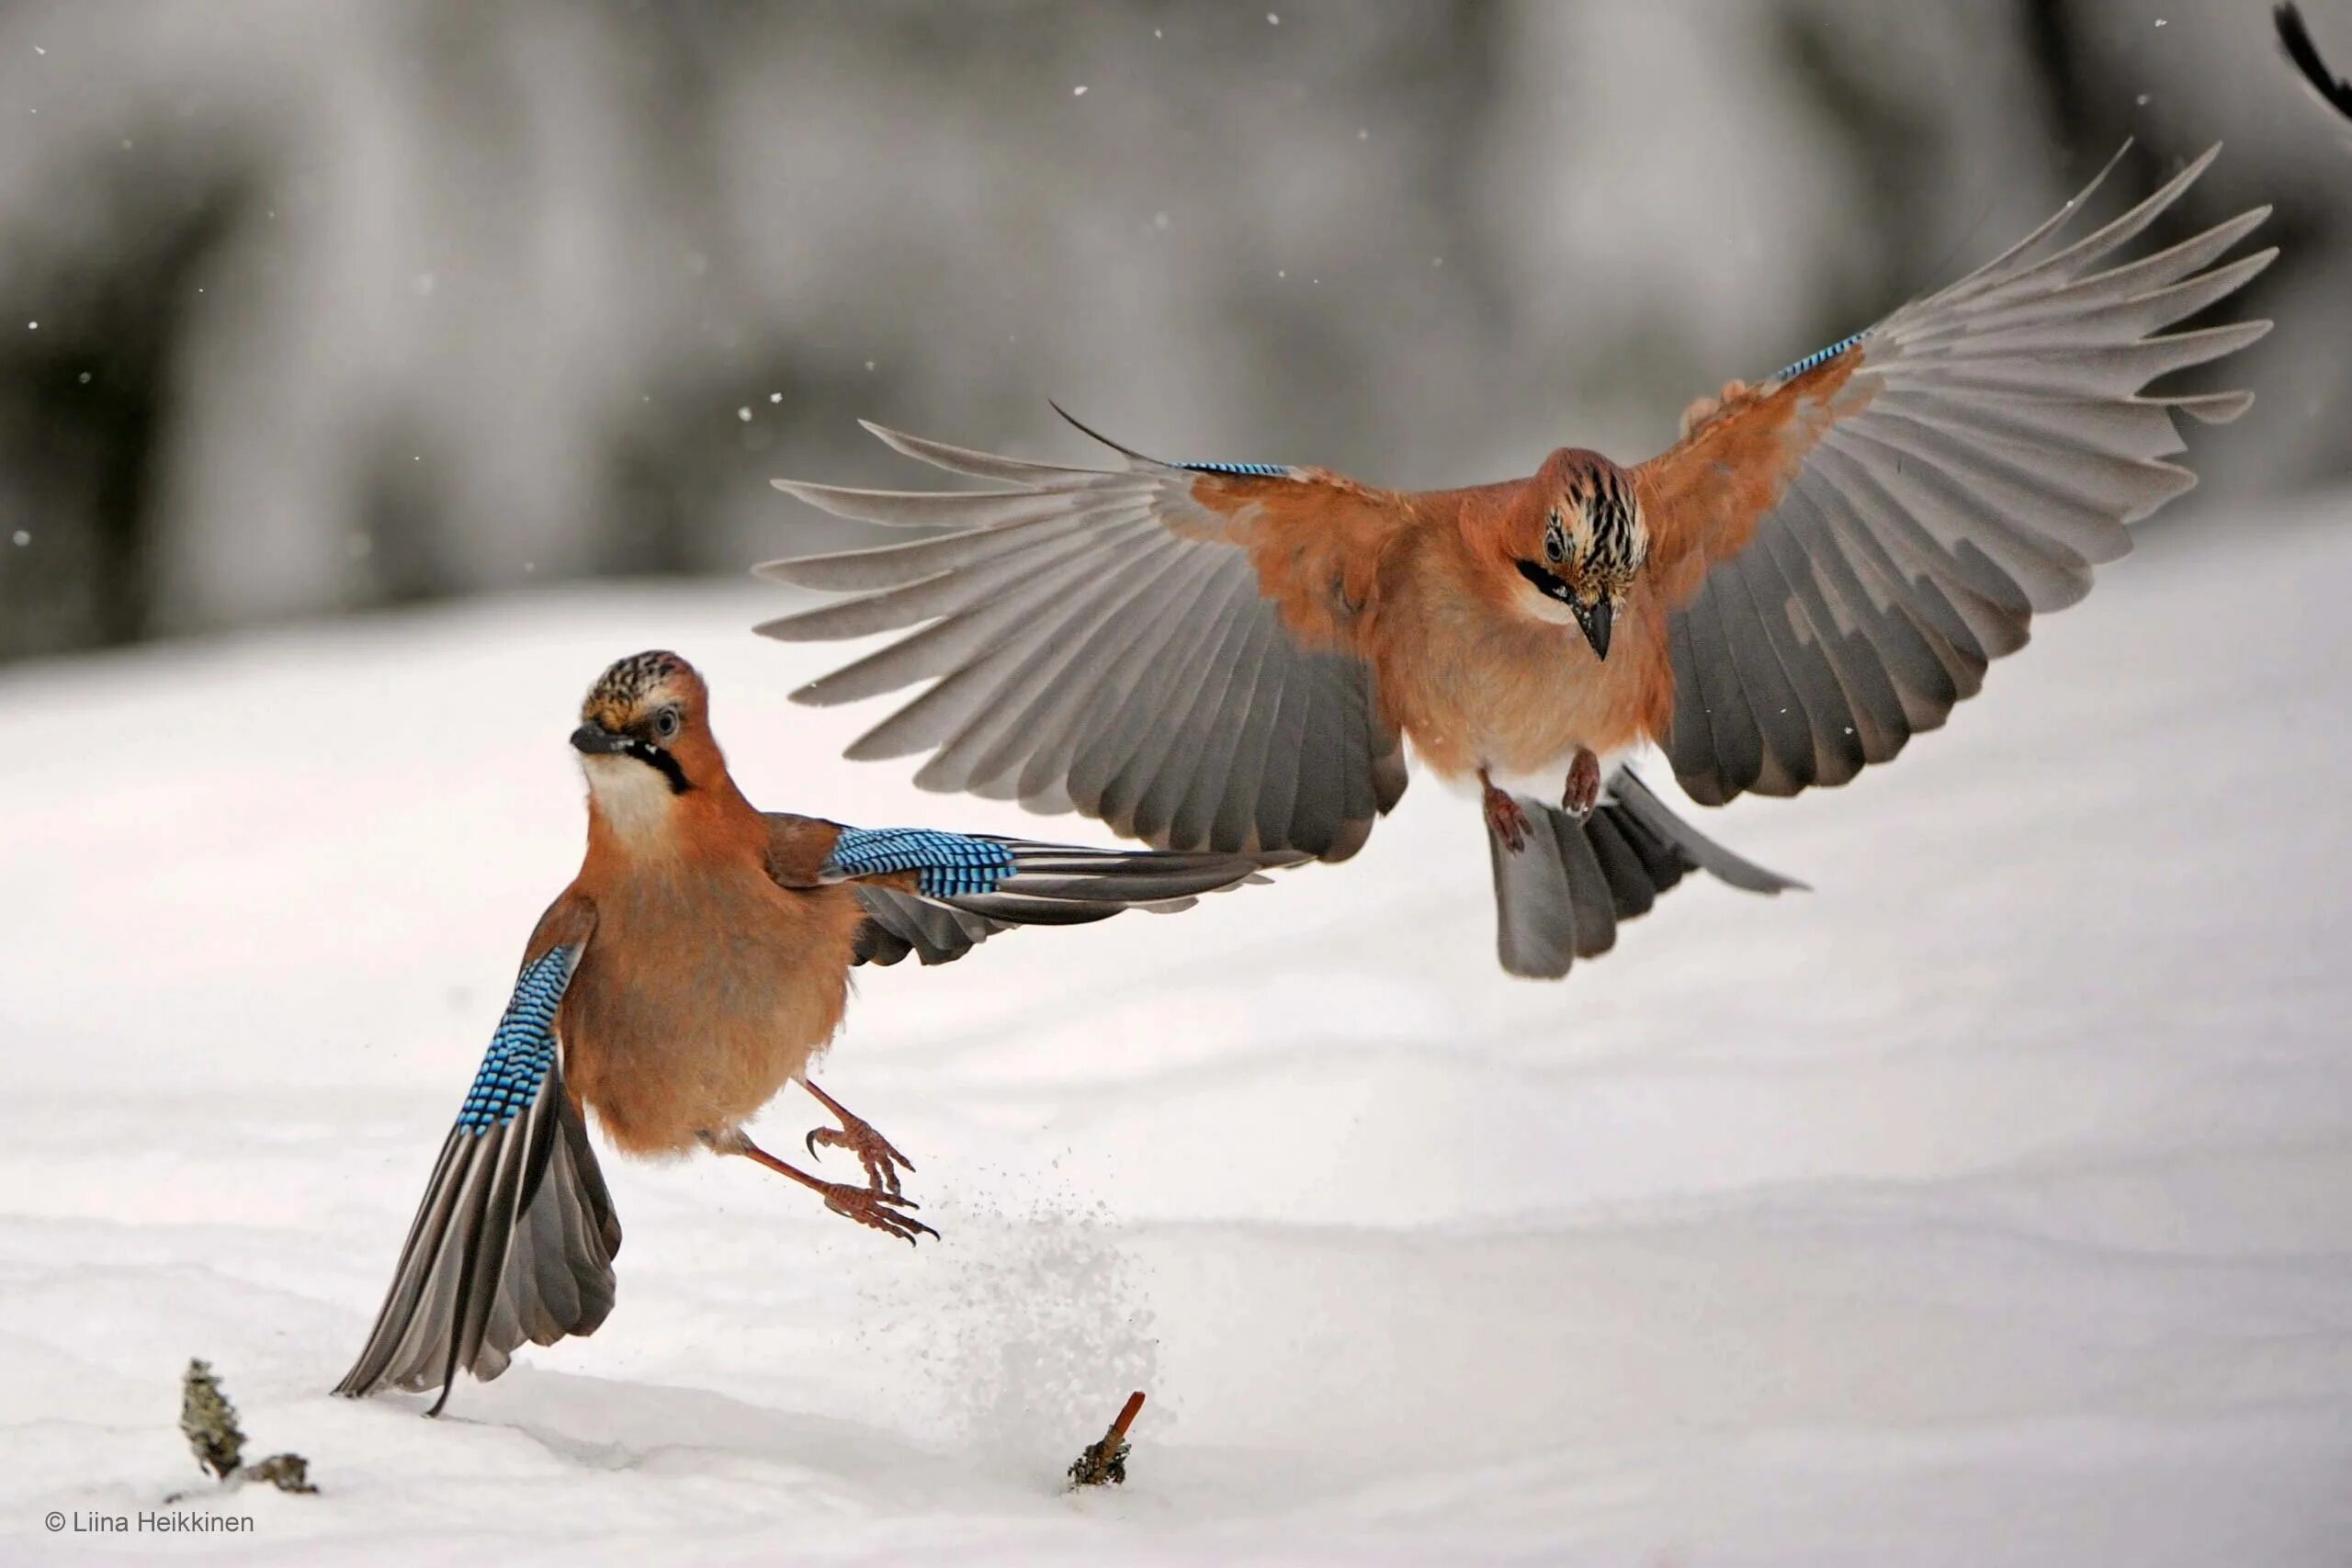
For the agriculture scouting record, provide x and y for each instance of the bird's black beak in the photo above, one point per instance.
(595, 741)
(1596, 619)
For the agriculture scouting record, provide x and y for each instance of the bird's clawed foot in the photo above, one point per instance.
(873, 1207)
(868, 1206)
(1584, 784)
(1505, 820)
(882, 1161)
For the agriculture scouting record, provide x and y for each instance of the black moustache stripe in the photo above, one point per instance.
(661, 763)
(1546, 583)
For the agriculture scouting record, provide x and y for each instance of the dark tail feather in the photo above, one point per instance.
(1628, 791)
(514, 1241)
(1559, 896)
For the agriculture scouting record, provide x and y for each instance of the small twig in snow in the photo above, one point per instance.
(1107, 1460)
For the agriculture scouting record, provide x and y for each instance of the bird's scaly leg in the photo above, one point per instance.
(1504, 818)
(856, 1134)
(1584, 783)
(866, 1205)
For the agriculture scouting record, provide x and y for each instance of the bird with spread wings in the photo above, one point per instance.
(698, 965)
(1232, 655)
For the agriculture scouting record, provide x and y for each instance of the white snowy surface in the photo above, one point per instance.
(1991, 1204)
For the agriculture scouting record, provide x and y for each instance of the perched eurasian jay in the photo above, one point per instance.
(695, 965)
(1230, 655)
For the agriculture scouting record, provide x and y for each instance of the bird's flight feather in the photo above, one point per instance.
(1842, 553)
(938, 895)
(515, 1238)
(1107, 642)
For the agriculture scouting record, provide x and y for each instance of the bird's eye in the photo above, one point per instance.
(665, 724)
(1555, 541)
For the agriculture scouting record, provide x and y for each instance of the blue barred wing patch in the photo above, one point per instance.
(1250, 471)
(523, 1049)
(1819, 357)
(948, 865)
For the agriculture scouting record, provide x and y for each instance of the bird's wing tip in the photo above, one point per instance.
(2214, 408)
(897, 441)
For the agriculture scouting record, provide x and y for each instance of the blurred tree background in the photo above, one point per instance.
(315, 307)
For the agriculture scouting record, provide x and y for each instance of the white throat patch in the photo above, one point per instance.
(633, 798)
(1536, 604)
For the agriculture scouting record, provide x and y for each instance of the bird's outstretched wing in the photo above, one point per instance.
(516, 1234)
(1166, 648)
(1843, 548)
(2333, 91)
(939, 894)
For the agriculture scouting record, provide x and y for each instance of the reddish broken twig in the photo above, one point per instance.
(1107, 1460)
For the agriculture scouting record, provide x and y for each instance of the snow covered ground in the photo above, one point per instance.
(1991, 1204)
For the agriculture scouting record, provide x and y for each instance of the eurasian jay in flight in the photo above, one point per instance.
(695, 965)
(1229, 656)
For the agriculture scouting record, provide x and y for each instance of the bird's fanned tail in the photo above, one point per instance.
(515, 1238)
(1560, 895)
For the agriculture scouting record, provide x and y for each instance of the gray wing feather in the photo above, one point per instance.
(1096, 647)
(1051, 884)
(1036, 690)
(514, 1240)
(2005, 448)
(898, 923)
